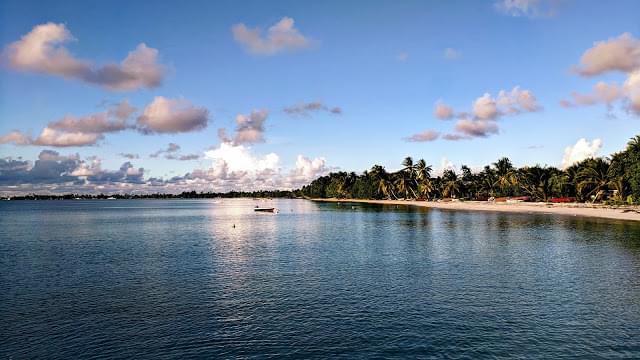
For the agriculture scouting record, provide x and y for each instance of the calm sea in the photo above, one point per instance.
(162, 279)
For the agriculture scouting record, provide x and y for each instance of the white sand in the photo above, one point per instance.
(573, 209)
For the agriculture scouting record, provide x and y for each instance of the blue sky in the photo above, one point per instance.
(383, 65)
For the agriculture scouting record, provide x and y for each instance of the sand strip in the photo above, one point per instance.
(574, 209)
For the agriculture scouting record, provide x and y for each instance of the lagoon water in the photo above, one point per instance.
(174, 279)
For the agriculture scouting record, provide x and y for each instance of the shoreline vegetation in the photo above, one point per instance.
(605, 187)
(613, 180)
(624, 212)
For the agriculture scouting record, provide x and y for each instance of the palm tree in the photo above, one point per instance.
(385, 187)
(450, 184)
(592, 178)
(488, 181)
(620, 187)
(506, 174)
(425, 187)
(633, 146)
(408, 177)
(538, 181)
(408, 166)
(403, 184)
(423, 171)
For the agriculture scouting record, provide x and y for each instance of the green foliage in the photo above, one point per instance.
(615, 179)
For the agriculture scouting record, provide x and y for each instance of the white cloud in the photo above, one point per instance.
(249, 128)
(15, 137)
(616, 54)
(112, 120)
(305, 109)
(451, 54)
(443, 111)
(476, 128)
(402, 57)
(632, 90)
(41, 50)
(517, 101)
(52, 137)
(485, 107)
(165, 115)
(305, 171)
(282, 36)
(582, 150)
(77, 131)
(528, 8)
(456, 137)
(445, 164)
(425, 136)
(239, 159)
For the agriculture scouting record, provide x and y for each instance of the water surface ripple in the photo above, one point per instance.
(163, 279)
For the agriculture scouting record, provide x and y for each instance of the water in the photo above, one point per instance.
(174, 279)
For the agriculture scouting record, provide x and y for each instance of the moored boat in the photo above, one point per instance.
(265, 209)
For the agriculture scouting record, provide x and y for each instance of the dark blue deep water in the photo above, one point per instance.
(161, 279)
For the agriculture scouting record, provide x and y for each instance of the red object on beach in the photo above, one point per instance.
(563, 199)
(521, 198)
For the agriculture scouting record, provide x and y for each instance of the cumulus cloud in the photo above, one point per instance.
(130, 156)
(601, 93)
(527, 8)
(249, 128)
(476, 128)
(425, 136)
(443, 111)
(281, 37)
(113, 120)
(306, 109)
(451, 54)
(165, 115)
(171, 148)
(482, 120)
(582, 150)
(517, 101)
(237, 158)
(616, 54)
(485, 107)
(76, 131)
(305, 171)
(15, 137)
(233, 167)
(188, 157)
(445, 164)
(42, 50)
(402, 57)
(171, 152)
(455, 137)
(52, 137)
(53, 172)
(632, 89)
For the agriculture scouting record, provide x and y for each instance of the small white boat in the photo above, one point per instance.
(265, 209)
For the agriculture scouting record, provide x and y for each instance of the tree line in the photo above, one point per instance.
(613, 179)
(182, 195)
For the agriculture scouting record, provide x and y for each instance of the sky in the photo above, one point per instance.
(124, 96)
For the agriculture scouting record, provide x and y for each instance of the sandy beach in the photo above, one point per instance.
(573, 209)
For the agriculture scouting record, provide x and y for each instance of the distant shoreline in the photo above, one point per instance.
(631, 213)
